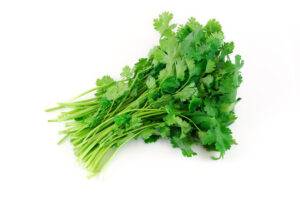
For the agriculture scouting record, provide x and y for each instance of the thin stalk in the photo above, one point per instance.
(134, 81)
(64, 105)
(99, 162)
(84, 93)
(80, 113)
(191, 122)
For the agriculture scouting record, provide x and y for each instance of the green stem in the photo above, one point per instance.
(183, 85)
(64, 105)
(76, 114)
(84, 93)
(191, 122)
(97, 162)
(131, 86)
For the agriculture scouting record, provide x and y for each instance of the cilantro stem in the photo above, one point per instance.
(131, 87)
(185, 84)
(84, 93)
(191, 122)
(70, 104)
(96, 164)
(79, 113)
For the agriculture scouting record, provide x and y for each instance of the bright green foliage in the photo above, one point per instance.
(150, 82)
(127, 72)
(116, 91)
(194, 103)
(170, 85)
(185, 91)
(162, 24)
(210, 66)
(180, 67)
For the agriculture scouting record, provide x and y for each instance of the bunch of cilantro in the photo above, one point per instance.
(185, 91)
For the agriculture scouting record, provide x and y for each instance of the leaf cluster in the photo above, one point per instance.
(185, 91)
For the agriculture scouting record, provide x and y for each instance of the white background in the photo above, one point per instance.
(52, 50)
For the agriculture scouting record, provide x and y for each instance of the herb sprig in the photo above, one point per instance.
(185, 91)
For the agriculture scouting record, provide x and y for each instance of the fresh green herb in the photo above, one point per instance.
(184, 91)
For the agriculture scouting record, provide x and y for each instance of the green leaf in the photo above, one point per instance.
(127, 73)
(187, 92)
(227, 107)
(164, 131)
(220, 137)
(207, 80)
(238, 62)
(151, 139)
(104, 81)
(192, 46)
(170, 85)
(193, 70)
(180, 67)
(184, 126)
(172, 119)
(210, 67)
(227, 118)
(210, 108)
(194, 103)
(169, 45)
(165, 73)
(204, 121)
(141, 65)
(116, 91)
(157, 54)
(135, 122)
(212, 26)
(104, 103)
(162, 101)
(227, 49)
(150, 82)
(162, 24)
(208, 137)
(146, 133)
(149, 135)
(121, 120)
(184, 145)
(182, 32)
(193, 24)
(215, 42)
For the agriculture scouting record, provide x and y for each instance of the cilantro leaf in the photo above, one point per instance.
(104, 81)
(194, 103)
(210, 67)
(127, 73)
(184, 145)
(193, 24)
(150, 82)
(116, 91)
(185, 127)
(193, 70)
(122, 120)
(157, 54)
(162, 24)
(187, 92)
(207, 80)
(170, 85)
(238, 61)
(220, 137)
(180, 67)
(212, 26)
